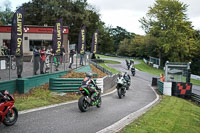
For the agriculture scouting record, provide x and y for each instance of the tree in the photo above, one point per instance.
(119, 34)
(168, 23)
(75, 14)
(6, 15)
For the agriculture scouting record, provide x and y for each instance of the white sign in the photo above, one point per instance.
(3, 64)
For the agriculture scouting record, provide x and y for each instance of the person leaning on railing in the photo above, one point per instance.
(162, 78)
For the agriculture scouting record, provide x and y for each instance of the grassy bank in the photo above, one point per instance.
(172, 115)
(39, 97)
(114, 71)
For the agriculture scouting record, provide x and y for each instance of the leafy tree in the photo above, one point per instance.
(119, 34)
(6, 15)
(167, 21)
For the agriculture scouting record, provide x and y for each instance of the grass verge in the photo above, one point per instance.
(39, 97)
(114, 71)
(111, 62)
(171, 115)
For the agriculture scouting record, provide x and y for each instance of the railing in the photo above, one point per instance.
(101, 68)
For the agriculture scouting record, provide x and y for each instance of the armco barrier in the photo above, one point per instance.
(65, 84)
(101, 68)
(23, 85)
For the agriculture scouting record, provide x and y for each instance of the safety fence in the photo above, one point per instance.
(32, 65)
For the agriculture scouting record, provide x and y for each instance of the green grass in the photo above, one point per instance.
(104, 56)
(111, 62)
(114, 71)
(39, 97)
(145, 68)
(172, 115)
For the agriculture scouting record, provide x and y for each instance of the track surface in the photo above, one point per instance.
(69, 119)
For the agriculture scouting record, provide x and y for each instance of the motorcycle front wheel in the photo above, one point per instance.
(119, 92)
(83, 104)
(10, 118)
(99, 102)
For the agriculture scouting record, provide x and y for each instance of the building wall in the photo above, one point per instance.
(32, 36)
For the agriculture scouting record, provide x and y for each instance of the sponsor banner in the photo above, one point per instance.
(58, 37)
(17, 32)
(82, 41)
(94, 42)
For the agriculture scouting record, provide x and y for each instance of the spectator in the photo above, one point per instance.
(162, 78)
(71, 58)
(42, 60)
(62, 53)
(36, 61)
(47, 60)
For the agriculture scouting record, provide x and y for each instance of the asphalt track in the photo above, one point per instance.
(67, 118)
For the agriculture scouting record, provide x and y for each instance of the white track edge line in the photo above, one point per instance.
(116, 127)
(56, 105)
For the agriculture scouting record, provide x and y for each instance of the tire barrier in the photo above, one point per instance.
(65, 84)
(195, 97)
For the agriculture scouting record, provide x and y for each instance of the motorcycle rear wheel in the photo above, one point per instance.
(83, 104)
(10, 119)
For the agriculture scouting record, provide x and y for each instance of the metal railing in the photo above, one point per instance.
(101, 68)
(195, 97)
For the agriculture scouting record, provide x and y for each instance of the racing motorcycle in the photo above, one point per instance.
(133, 71)
(86, 101)
(8, 113)
(121, 86)
(127, 79)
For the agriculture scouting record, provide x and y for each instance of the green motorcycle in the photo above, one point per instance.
(86, 101)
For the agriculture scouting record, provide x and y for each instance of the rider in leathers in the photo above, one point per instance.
(91, 85)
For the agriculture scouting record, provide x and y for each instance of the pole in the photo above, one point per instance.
(9, 65)
(64, 62)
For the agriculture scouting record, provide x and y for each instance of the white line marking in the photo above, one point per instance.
(116, 127)
(56, 105)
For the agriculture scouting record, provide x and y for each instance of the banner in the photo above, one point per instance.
(58, 37)
(82, 41)
(17, 33)
(94, 42)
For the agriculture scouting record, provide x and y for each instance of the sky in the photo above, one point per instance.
(126, 13)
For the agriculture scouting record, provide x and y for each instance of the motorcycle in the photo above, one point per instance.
(86, 101)
(133, 71)
(127, 80)
(8, 113)
(121, 86)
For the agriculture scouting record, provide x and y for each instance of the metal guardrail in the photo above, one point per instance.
(101, 68)
(195, 97)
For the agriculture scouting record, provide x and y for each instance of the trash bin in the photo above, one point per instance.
(154, 81)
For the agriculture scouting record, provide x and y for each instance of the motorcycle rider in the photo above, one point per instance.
(88, 80)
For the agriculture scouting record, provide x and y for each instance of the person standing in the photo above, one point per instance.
(47, 60)
(62, 53)
(36, 54)
(19, 64)
(81, 58)
(42, 60)
(71, 58)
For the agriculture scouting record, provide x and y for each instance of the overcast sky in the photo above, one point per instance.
(126, 13)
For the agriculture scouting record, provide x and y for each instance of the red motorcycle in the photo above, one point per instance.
(8, 113)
